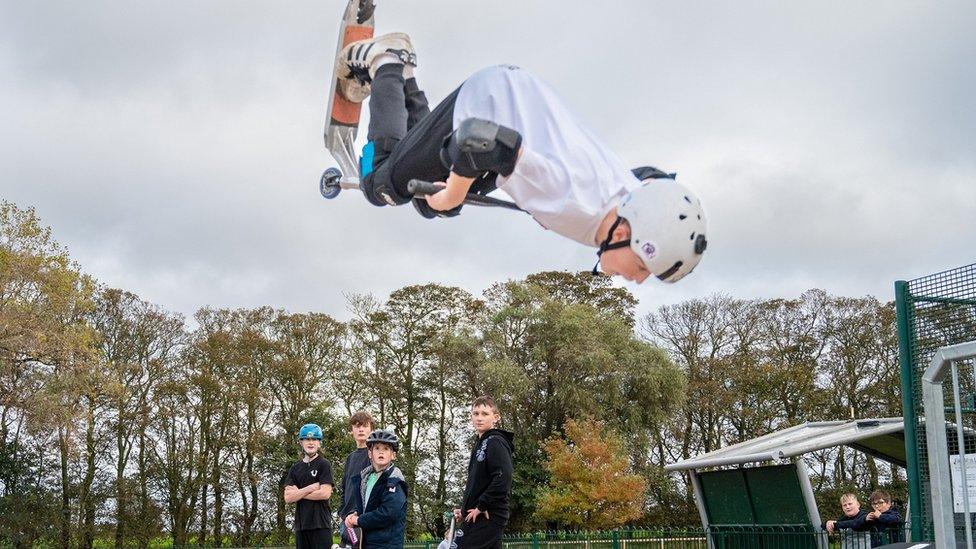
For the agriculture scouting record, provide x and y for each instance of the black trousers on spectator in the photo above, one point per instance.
(319, 538)
(481, 534)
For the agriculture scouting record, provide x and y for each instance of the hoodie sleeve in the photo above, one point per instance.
(499, 467)
(393, 499)
(890, 517)
(854, 523)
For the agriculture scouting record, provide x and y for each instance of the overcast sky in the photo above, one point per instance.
(175, 147)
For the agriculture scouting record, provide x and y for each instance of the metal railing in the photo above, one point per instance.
(945, 364)
(716, 537)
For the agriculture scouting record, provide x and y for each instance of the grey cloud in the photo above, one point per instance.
(175, 147)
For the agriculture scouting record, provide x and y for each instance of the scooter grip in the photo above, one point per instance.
(418, 187)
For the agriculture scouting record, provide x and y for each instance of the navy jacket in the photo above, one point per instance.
(384, 517)
(355, 462)
(856, 523)
(887, 528)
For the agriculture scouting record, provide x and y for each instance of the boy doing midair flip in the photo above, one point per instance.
(505, 128)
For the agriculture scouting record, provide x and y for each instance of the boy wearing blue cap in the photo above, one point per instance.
(308, 484)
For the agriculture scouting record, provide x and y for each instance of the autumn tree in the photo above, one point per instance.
(46, 364)
(591, 483)
(311, 364)
(137, 341)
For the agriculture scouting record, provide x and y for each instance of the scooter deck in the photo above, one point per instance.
(342, 115)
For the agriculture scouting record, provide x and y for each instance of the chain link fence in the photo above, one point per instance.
(933, 312)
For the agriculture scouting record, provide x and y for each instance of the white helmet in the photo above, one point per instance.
(667, 226)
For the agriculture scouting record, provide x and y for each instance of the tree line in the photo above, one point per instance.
(123, 422)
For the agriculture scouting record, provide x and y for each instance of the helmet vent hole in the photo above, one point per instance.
(688, 200)
(692, 237)
(699, 217)
(682, 217)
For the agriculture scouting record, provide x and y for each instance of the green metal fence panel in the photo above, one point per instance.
(769, 495)
(723, 537)
(776, 495)
(933, 311)
(726, 497)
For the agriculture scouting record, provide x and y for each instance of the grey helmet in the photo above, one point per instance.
(385, 436)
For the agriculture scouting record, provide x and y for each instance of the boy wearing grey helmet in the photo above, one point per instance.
(381, 505)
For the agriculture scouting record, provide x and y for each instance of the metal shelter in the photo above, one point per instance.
(781, 495)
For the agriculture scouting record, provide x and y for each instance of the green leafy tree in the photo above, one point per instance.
(554, 356)
(415, 345)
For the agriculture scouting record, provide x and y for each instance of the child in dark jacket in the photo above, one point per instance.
(853, 518)
(381, 501)
(885, 522)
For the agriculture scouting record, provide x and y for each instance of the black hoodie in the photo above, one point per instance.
(490, 473)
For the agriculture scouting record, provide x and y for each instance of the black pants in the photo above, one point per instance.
(481, 534)
(319, 538)
(405, 136)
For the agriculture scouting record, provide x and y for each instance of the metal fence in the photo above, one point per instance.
(717, 537)
(933, 312)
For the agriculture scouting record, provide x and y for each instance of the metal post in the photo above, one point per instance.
(962, 454)
(908, 409)
(938, 450)
(700, 503)
(811, 501)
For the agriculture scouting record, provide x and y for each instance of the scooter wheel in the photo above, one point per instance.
(329, 184)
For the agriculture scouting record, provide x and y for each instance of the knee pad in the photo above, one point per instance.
(379, 190)
(479, 146)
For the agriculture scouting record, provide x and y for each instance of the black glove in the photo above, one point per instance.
(424, 209)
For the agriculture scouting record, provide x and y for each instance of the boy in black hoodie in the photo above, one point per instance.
(485, 512)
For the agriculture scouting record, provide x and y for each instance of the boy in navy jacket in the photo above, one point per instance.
(381, 501)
